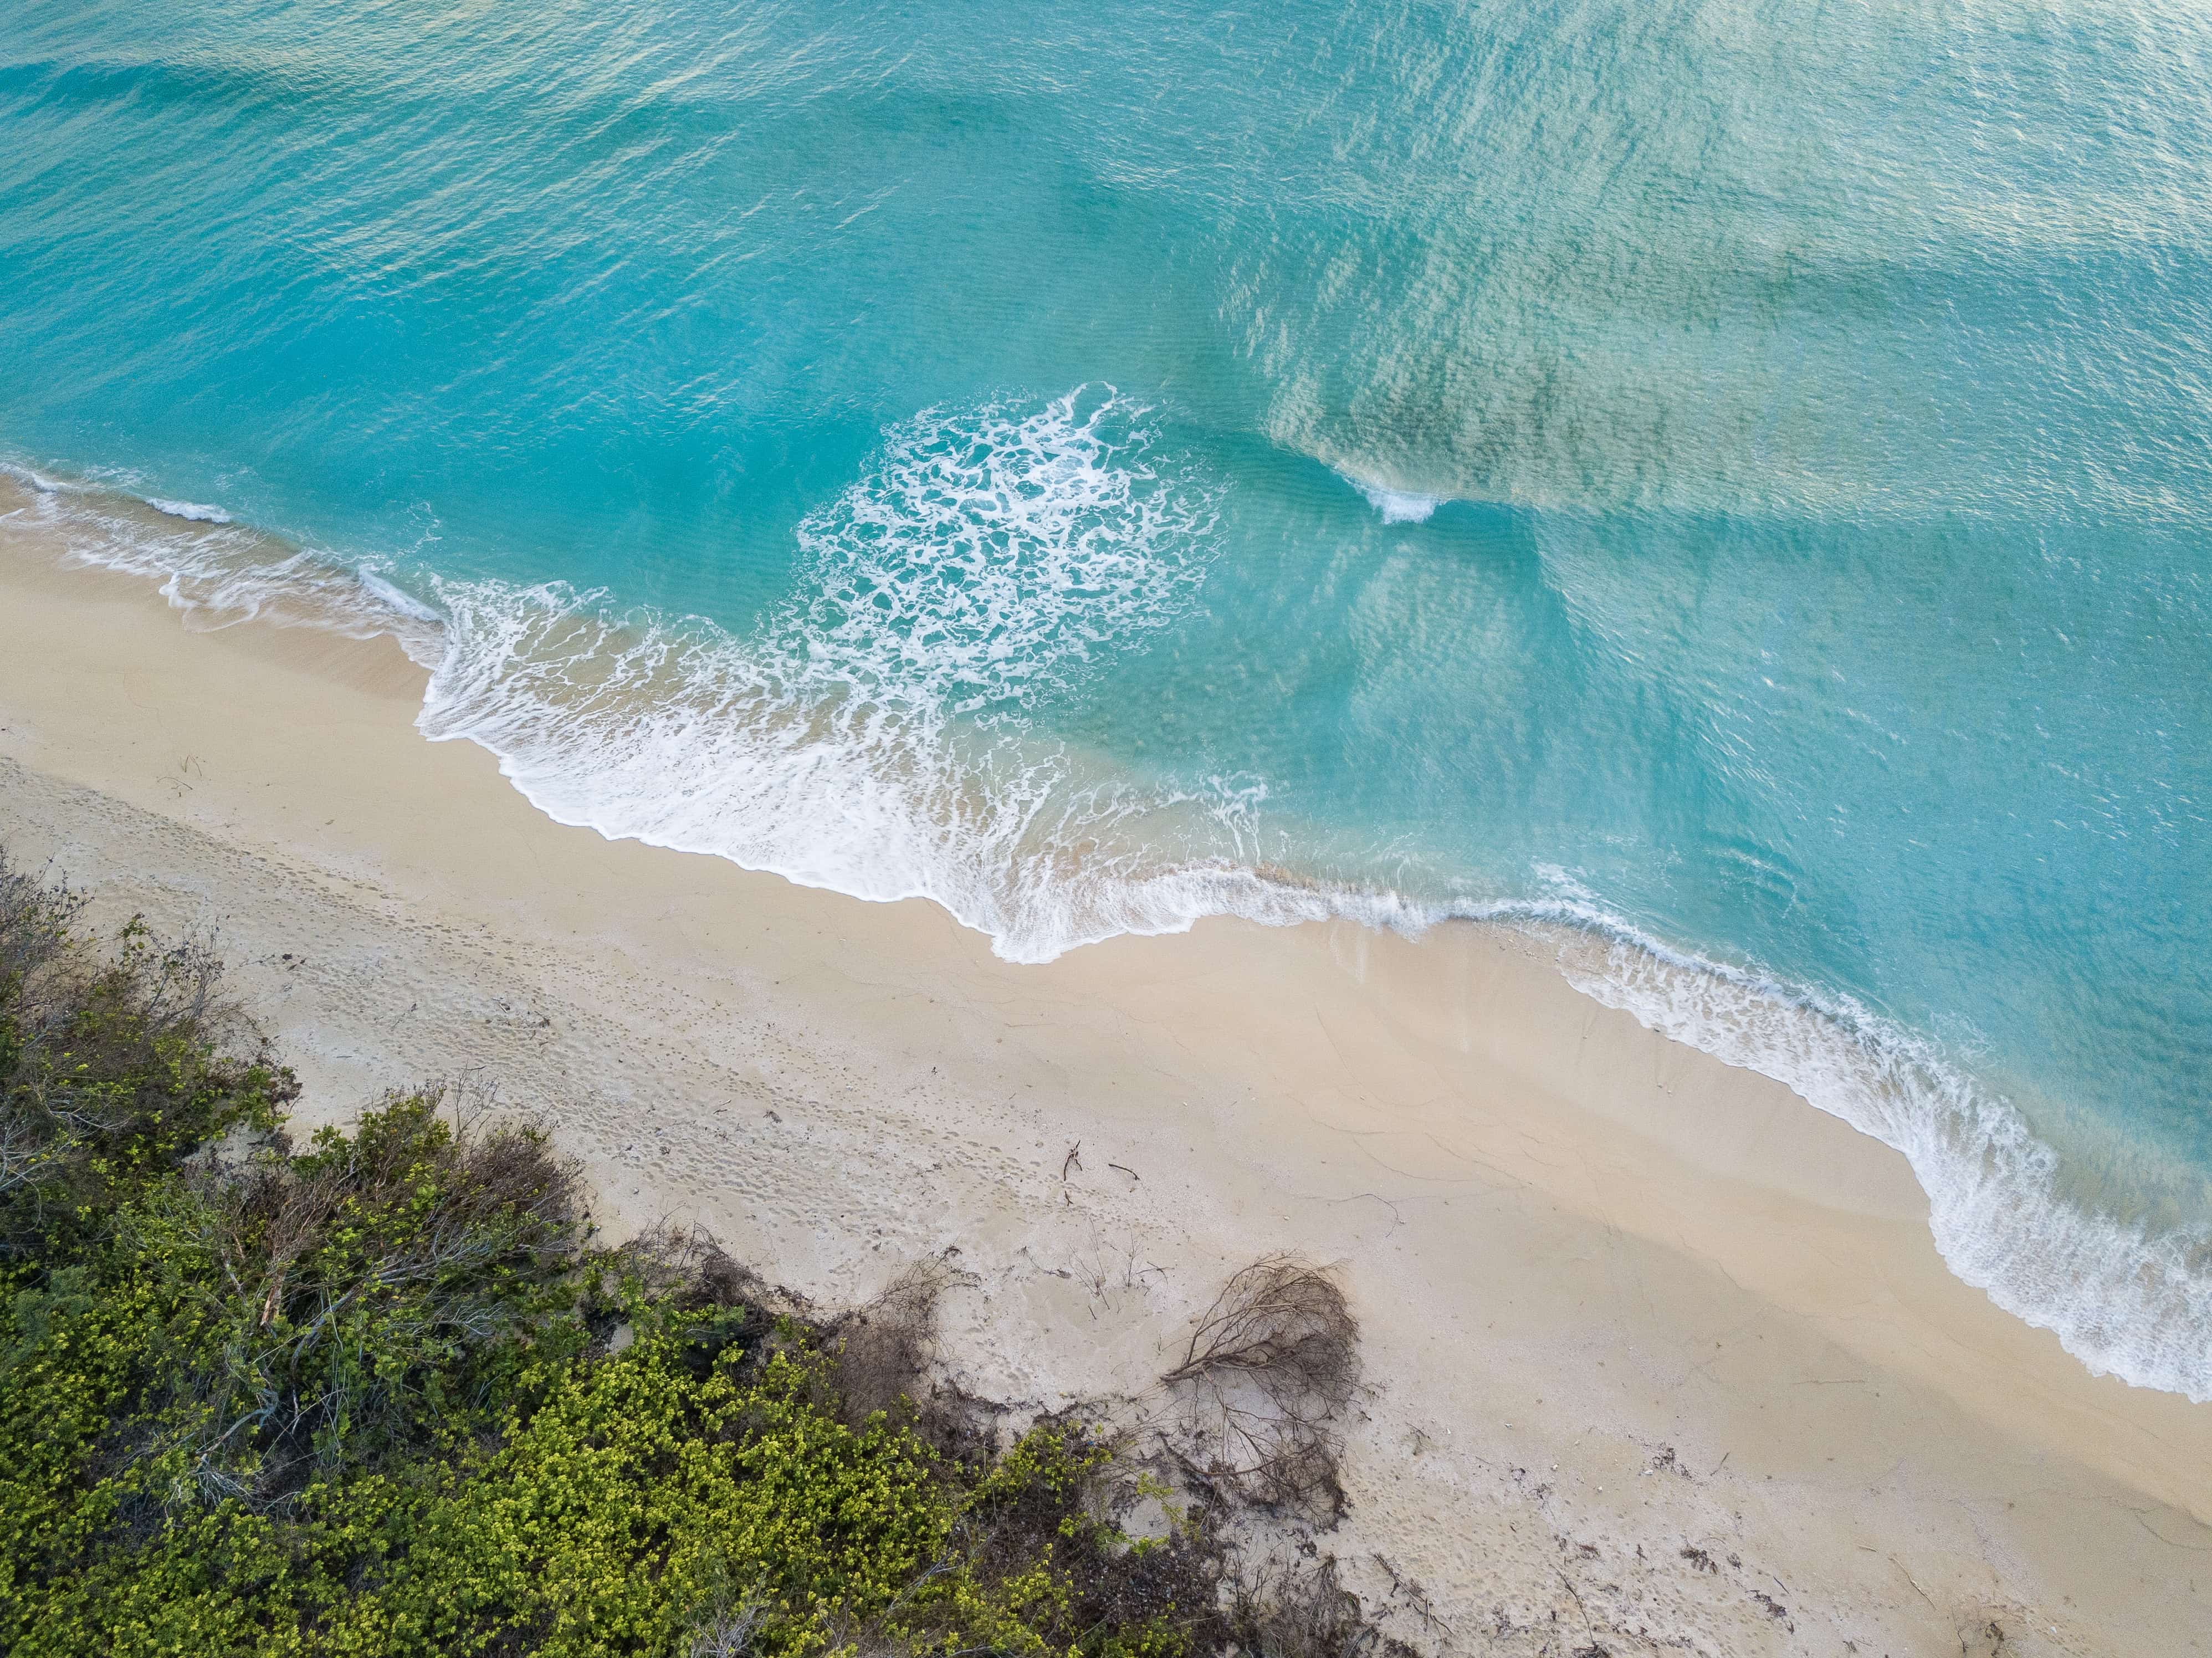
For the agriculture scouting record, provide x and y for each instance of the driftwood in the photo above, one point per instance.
(1265, 1377)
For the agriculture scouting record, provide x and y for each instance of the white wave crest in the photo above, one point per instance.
(189, 510)
(218, 572)
(2123, 1299)
(1396, 506)
(871, 735)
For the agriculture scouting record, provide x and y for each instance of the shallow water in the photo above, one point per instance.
(1733, 479)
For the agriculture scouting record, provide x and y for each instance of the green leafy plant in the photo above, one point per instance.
(381, 1396)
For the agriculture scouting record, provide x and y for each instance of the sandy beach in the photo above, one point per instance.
(1658, 1358)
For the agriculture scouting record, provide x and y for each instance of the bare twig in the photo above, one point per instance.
(1268, 1368)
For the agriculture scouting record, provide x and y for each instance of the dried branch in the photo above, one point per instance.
(1287, 1613)
(1267, 1370)
(886, 1348)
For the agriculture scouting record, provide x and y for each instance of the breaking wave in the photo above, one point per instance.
(190, 511)
(2124, 1298)
(871, 734)
(1395, 505)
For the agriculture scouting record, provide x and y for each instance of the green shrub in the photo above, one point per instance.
(368, 1397)
(114, 1065)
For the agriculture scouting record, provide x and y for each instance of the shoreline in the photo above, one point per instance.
(2127, 1291)
(1547, 1216)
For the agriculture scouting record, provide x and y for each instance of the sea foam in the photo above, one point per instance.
(2125, 1300)
(871, 734)
(219, 572)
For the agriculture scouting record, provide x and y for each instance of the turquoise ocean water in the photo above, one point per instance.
(1734, 480)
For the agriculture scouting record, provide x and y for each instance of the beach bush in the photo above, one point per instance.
(114, 1064)
(381, 1395)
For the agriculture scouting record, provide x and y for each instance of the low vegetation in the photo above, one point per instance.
(381, 1393)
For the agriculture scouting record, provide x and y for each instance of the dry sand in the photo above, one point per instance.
(1622, 1302)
